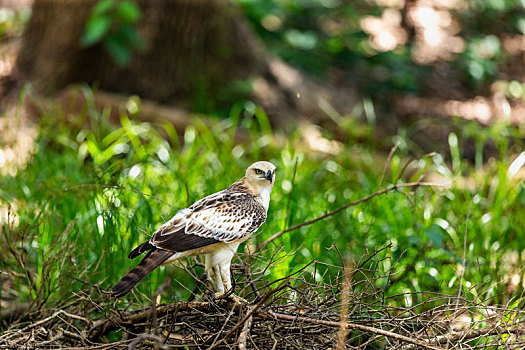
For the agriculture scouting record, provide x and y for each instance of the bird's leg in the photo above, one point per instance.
(218, 283)
(219, 262)
(225, 275)
(213, 274)
(226, 281)
(219, 286)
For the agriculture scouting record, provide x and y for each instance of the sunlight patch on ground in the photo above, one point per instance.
(436, 31)
(316, 142)
(17, 144)
(386, 31)
(484, 110)
(8, 54)
(17, 140)
(8, 214)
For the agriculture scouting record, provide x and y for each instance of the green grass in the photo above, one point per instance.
(89, 195)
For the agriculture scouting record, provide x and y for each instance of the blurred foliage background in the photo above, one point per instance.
(427, 63)
(392, 45)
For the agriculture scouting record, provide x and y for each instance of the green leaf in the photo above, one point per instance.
(119, 51)
(128, 12)
(128, 35)
(103, 7)
(96, 28)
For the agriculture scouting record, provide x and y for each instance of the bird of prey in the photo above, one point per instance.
(215, 225)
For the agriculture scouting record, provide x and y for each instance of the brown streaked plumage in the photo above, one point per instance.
(214, 225)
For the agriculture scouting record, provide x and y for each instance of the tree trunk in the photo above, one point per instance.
(197, 52)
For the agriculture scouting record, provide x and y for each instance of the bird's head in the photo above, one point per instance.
(261, 175)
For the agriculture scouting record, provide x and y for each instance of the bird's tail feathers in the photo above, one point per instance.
(151, 261)
(144, 247)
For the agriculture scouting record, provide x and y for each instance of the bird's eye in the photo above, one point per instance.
(258, 171)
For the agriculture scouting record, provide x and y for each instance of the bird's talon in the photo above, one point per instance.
(235, 298)
(218, 295)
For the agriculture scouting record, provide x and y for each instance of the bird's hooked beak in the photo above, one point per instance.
(269, 176)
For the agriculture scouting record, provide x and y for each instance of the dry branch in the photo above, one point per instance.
(245, 331)
(299, 313)
(468, 334)
(248, 316)
(105, 326)
(359, 327)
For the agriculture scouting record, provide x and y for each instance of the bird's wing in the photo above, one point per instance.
(223, 217)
